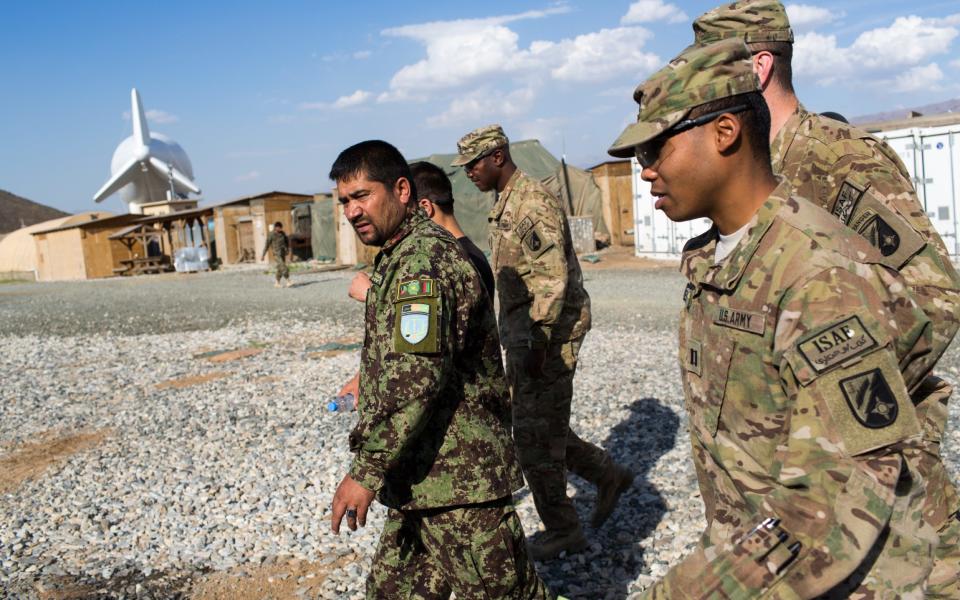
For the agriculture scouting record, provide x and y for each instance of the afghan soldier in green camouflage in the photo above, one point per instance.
(797, 348)
(432, 440)
(544, 316)
(278, 243)
(862, 182)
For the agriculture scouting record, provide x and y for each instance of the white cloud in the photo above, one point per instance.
(918, 78)
(471, 53)
(484, 105)
(604, 54)
(355, 99)
(546, 130)
(876, 56)
(955, 63)
(362, 54)
(249, 176)
(160, 117)
(649, 11)
(806, 16)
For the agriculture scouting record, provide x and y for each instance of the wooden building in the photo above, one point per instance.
(242, 225)
(615, 179)
(81, 250)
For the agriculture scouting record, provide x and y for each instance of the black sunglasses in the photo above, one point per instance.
(647, 154)
(470, 165)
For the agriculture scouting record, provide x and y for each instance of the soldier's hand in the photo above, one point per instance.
(351, 387)
(534, 361)
(359, 286)
(351, 500)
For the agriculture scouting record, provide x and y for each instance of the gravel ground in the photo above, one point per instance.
(212, 462)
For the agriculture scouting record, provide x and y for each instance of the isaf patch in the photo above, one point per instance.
(847, 200)
(414, 322)
(870, 399)
(836, 344)
(417, 324)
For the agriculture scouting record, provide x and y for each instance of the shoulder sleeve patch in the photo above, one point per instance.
(836, 344)
(846, 201)
(417, 327)
(886, 231)
(524, 226)
(536, 243)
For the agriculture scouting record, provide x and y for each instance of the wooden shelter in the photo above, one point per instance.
(81, 250)
(615, 179)
(242, 225)
(152, 242)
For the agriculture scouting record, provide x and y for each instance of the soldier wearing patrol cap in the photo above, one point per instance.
(432, 440)
(862, 181)
(797, 351)
(544, 316)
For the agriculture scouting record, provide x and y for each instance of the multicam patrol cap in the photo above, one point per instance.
(477, 142)
(700, 74)
(751, 20)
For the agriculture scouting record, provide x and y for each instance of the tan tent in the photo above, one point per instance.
(18, 250)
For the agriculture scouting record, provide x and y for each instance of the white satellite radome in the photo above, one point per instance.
(147, 167)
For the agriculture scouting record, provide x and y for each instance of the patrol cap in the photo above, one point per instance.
(700, 74)
(477, 142)
(751, 20)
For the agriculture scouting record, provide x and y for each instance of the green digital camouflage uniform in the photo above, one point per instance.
(542, 305)
(432, 437)
(279, 245)
(862, 181)
(797, 353)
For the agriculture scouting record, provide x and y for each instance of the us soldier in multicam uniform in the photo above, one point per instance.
(544, 316)
(861, 181)
(278, 243)
(797, 347)
(432, 440)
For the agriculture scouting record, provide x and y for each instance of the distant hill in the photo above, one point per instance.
(937, 108)
(17, 212)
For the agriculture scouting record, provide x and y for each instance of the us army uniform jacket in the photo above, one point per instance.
(861, 181)
(796, 355)
(538, 277)
(434, 409)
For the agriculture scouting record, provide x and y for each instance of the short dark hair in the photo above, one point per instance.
(782, 61)
(278, 224)
(377, 160)
(755, 121)
(433, 184)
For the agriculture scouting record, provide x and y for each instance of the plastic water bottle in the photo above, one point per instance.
(344, 403)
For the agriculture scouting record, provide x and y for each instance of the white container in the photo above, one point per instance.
(932, 155)
(655, 235)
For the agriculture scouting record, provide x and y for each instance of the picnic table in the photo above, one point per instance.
(142, 265)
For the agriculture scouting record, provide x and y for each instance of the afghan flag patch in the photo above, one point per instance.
(416, 288)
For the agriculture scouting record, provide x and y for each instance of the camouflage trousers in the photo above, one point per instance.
(280, 266)
(546, 446)
(476, 551)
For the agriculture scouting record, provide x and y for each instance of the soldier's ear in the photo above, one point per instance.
(401, 189)
(427, 206)
(763, 65)
(726, 131)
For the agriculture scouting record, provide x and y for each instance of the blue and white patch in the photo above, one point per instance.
(414, 322)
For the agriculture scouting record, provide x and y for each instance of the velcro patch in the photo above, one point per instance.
(693, 359)
(417, 326)
(870, 399)
(739, 319)
(376, 278)
(505, 224)
(536, 243)
(416, 288)
(846, 202)
(880, 235)
(836, 344)
(524, 226)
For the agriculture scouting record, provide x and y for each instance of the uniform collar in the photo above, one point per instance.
(409, 223)
(698, 263)
(785, 137)
(501, 202)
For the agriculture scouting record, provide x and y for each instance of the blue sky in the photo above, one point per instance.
(263, 96)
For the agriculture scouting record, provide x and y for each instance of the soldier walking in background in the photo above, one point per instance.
(432, 441)
(797, 351)
(279, 245)
(544, 316)
(862, 181)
